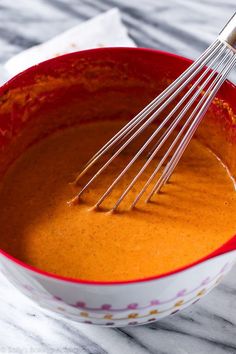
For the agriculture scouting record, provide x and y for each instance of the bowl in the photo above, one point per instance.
(95, 85)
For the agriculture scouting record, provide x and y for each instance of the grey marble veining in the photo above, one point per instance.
(181, 26)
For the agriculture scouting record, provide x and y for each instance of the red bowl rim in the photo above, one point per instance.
(225, 248)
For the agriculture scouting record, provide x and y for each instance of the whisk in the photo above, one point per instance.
(194, 91)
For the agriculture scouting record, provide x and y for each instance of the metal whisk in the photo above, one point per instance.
(196, 88)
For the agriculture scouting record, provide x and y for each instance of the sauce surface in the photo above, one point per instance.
(193, 216)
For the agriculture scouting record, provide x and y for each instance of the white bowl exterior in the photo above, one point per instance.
(120, 304)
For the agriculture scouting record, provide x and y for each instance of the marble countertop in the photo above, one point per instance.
(181, 26)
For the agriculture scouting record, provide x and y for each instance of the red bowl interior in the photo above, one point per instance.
(101, 83)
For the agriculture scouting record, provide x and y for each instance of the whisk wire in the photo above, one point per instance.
(164, 137)
(195, 89)
(141, 128)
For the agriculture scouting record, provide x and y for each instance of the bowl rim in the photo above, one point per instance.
(228, 247)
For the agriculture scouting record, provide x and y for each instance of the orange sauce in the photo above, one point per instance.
(193, 216)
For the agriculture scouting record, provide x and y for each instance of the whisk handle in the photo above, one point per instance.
(228, 33)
